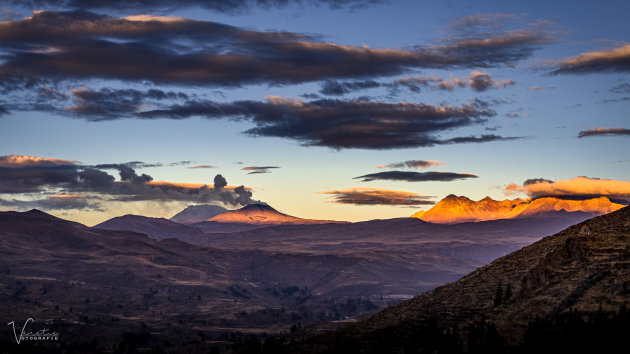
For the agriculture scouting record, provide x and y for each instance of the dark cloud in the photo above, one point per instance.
(258, 169)
(31, 179)
(336, 88)
(611, 60)
(224, 6)
(344, 124)
(219, 182)
(622, 88)
(412, 164)
(107, 103)
(377, 196)
(408, 176)
(536, 180)
(83, 45)
(338, 124)
(22, 177)
(604, 131)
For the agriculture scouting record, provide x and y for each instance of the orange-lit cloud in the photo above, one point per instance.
(576, 187)
(615, 60)
(26, 160)
(513, 189)
(377, 196)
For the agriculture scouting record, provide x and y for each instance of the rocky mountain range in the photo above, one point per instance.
(454, 209)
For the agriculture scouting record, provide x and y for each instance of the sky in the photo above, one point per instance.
(339, 109)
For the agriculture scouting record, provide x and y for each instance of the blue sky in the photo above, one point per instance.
(536, 98)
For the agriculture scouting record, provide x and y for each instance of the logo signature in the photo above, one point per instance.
(42, 334)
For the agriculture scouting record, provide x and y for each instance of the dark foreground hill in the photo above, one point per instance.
(566, 293)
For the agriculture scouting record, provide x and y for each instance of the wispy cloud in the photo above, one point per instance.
(604, 132)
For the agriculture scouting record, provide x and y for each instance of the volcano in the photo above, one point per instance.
(263, 214)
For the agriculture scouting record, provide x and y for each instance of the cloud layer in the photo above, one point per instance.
(160, 49)
(377, 196)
